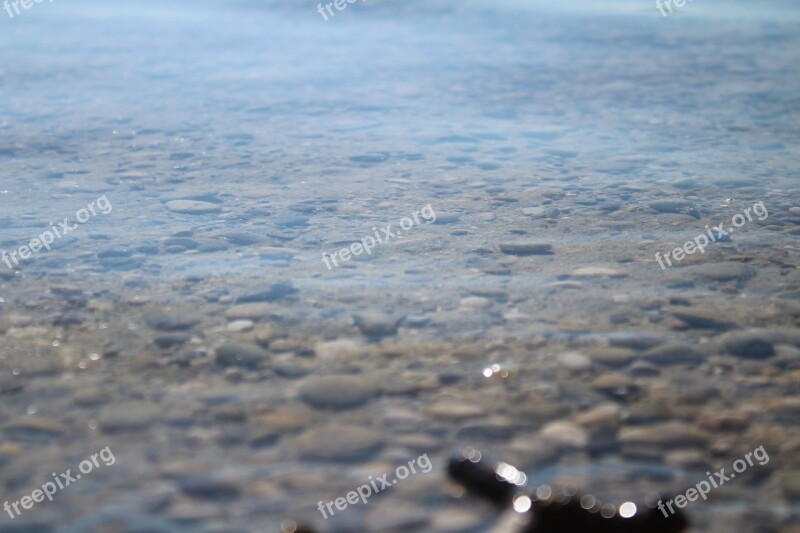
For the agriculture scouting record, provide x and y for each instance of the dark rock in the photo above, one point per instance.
(673, 354)
(249, 356)
(208, 488)
(680, 207)
(272, 293)
(526, 249)
(376, 325)
(170, 321)
(749, 345)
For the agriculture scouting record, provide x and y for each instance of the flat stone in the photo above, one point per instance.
(527, 249)
(271, 293)
(394, 517)
(703, 319)
(455, 520)
(636, 341)
(171, 321)
(192, 207)
(669, 435)
(616, 385)
(243, 238)
(238, 326)
(244, 355)
(286, 419)
(574, 361)
(340, 442)
(598, 272)
(207, 487)
(171, 339)
(790, 481)
(338, 350)
(565, 433)
(614, 357)
(681, 207)
(376, 325)
(720, 272)
(452, 409)
(128, 416)
(33, 428)
(338, 392)
(485, 430)
(251, 311)
(673, 354)
(748, 345)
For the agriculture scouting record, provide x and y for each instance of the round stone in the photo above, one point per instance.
(337, 392)
(339, 443)
(192, 207)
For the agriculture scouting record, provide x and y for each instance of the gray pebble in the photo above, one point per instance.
(242, 355)
(526, 249)
(673, 354)
(338, 392)
(339, 442)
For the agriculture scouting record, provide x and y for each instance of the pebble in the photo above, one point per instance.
(565, 433)
(286, 419)
(541, 212)
(270, 293)
(398, 517)
(635, 341)
(453, 409)
(703, 319)
(238, 354)
(338, 350)
(574, 361)
(499, 430)
(614, 357)
(128, 416)
(171, 339)
(33, 428)
(171, 321)
(673, 353)
(665, 436)
(616, 385)
(748, 345)
(294, 221)
(597, 272)
(721, 272)
(526, 249)
(207, 487)
(251, 311)
(238, 326)
(375, 325)
(192, 207)
(790, 482)
(681, 207)
(339, 442)
(338, 392)
(455, 520)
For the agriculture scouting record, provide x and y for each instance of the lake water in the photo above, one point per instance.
(263, 256)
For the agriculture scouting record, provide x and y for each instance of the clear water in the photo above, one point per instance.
(304, 135)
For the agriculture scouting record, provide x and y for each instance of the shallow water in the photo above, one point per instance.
(229, 148)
